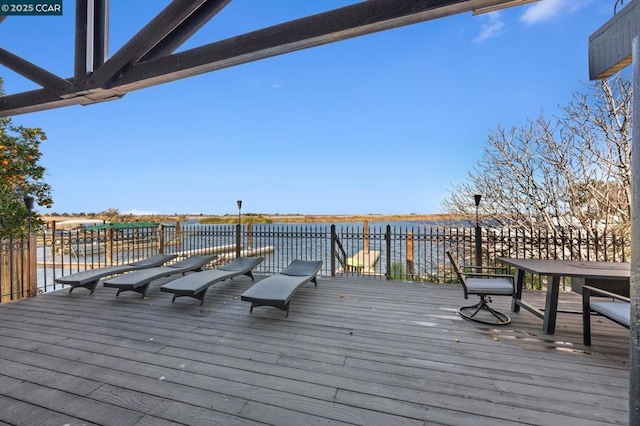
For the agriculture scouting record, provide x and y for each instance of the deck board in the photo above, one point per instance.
(361, 351)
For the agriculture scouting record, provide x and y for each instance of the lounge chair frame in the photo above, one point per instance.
(89, 279)
(277, 290)
(196, 285)
(139, 281)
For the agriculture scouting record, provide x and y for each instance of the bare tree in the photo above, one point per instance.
(569, 171)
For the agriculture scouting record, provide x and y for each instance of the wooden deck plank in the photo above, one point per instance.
(71, 405)
(15, 412)
(353, 351)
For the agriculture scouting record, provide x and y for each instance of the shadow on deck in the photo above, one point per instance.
(353, 351)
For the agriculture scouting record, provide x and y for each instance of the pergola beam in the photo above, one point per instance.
(148, 58)
(34, 73)
(186, 29)
(328, 27)
(145, 40)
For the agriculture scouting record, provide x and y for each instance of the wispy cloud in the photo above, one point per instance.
(491, 29)
(548, 10)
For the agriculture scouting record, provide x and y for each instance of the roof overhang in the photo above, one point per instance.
(610, 46)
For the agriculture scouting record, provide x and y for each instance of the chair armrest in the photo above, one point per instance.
(604, 293)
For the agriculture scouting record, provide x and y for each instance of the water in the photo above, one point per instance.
(284, 242)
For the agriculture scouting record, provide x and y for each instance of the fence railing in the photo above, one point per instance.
(394, 252)
(17, 268)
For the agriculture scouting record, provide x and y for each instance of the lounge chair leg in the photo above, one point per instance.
(200, 296)
(144, 291)
(174, 298)
(251, 309)
(92, 286)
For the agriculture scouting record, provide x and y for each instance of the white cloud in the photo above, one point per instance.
(547, 10)
(492, 29)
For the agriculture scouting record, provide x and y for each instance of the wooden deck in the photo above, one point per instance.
(353, 351)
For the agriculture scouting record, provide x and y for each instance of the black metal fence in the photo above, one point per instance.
(395, 252)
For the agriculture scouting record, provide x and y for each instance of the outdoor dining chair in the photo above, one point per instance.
(485, 285)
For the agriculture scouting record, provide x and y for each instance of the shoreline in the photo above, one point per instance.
(262, 218)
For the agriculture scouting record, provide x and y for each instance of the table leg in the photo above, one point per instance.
(551, 305)
(519, 283)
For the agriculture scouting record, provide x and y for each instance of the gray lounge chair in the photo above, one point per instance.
(196, 285)
(89, 279)
(139, 281)
(277, 290)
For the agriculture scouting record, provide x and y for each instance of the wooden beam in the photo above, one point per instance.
(146, 60)
(141, 43)
(610, 46)
(186, 29)
(81, 41)
(34, 73)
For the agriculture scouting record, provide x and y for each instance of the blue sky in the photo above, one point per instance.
(383, 123)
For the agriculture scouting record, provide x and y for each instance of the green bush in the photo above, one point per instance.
(398, 271)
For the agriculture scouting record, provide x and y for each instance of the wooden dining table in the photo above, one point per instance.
(591, 271)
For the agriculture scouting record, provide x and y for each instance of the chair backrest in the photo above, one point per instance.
(458, 270)
(302, 268)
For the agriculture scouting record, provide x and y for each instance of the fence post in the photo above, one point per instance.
(365, 237)
(238, 240)
(387, 238)
(249, 236)
(410, 262)
(110, 246)
(33, 264)
(161, 239)
(333, 250)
